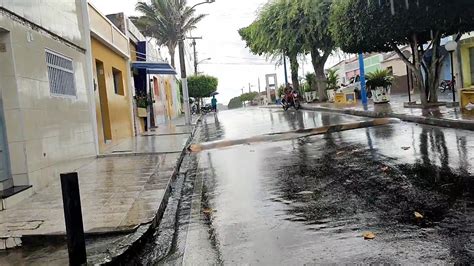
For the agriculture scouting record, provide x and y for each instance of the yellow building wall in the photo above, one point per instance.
(466, 61)
(118, 106)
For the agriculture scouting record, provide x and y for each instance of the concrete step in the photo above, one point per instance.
(13, 195)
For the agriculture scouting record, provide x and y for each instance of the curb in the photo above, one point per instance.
(449, 123)
(145, 230)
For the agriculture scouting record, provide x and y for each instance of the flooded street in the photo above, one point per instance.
(310, 200)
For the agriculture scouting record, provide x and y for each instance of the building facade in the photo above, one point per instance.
(466, 51)
(162, 87)
(112, 81)
(46, 103)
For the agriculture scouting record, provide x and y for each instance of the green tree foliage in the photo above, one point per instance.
(249, 96)
(275, 32)
(332, 79)
(167, 21)
(294, 27)
(202, 86)
(313, 27)
(378, 26)
(311, 81)
(235, 103)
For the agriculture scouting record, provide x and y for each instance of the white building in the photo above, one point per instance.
(47, 120)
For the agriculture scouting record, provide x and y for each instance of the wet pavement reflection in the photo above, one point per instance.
(309, 200)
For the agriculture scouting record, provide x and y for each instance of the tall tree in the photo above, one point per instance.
(202, 86)
(167, 21)
(381, 26)
(313, 30)
(275, 33)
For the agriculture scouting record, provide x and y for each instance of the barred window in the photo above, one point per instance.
(60, 74)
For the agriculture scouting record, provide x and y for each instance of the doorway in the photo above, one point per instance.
(6, 55)
(103, 102)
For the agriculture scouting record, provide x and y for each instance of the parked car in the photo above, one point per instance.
(352, 86)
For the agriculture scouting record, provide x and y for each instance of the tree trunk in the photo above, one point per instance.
(318, 62)
(172, 54)
(321, 82)
(294, 65)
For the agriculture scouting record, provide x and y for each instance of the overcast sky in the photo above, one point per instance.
(231, 61)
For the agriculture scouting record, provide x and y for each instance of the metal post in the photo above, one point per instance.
(362, 79)
(452, 76)
(73, 217)
(148, 102)
(408, 85)
(286, 73)
(184, 83)
(258, 85)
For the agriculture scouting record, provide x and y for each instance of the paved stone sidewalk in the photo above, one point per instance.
(438, 116)
(120, 190)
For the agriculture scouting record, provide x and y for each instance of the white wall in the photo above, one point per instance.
(46, 135)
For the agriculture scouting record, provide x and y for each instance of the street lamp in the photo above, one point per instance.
(197, 63)
(407, 55)
(451, 46)
(205, 2)
(184, 80)
(207, 59)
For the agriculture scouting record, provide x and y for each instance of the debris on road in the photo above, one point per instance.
(368, 235)
(405, 148)
(208, 211)
(418, 216)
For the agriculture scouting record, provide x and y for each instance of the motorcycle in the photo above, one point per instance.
(206, 109)
(447, 85)
(292, 99)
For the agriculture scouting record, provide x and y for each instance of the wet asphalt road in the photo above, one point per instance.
(310, 200)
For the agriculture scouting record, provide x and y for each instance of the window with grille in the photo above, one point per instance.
(60, 74)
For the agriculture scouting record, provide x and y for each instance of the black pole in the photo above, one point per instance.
(408, 85)
(284, 66)
(452, 77)
(195, 58)
(76, 243)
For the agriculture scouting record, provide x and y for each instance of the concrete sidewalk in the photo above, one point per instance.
(442, 116)
(121, 190)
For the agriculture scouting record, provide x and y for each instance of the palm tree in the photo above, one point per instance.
(167, 21)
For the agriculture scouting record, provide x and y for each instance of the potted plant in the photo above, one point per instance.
(142, 104)
(332, 80)
(380, 83)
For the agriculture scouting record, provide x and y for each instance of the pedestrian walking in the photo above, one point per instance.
(214, 103)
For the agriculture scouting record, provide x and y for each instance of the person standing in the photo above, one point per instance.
(214, 103)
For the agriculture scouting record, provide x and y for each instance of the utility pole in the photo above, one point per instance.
(195, 53)
(184, 83)
(184, 80)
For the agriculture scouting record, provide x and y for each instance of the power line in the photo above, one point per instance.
(243, 64)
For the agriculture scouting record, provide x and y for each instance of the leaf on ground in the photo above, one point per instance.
(405, 148)
(368, 235)
(418, 215)
(385, 168)
(339, 153)
(208, 211)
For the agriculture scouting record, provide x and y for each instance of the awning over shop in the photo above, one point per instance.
(155, 68)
